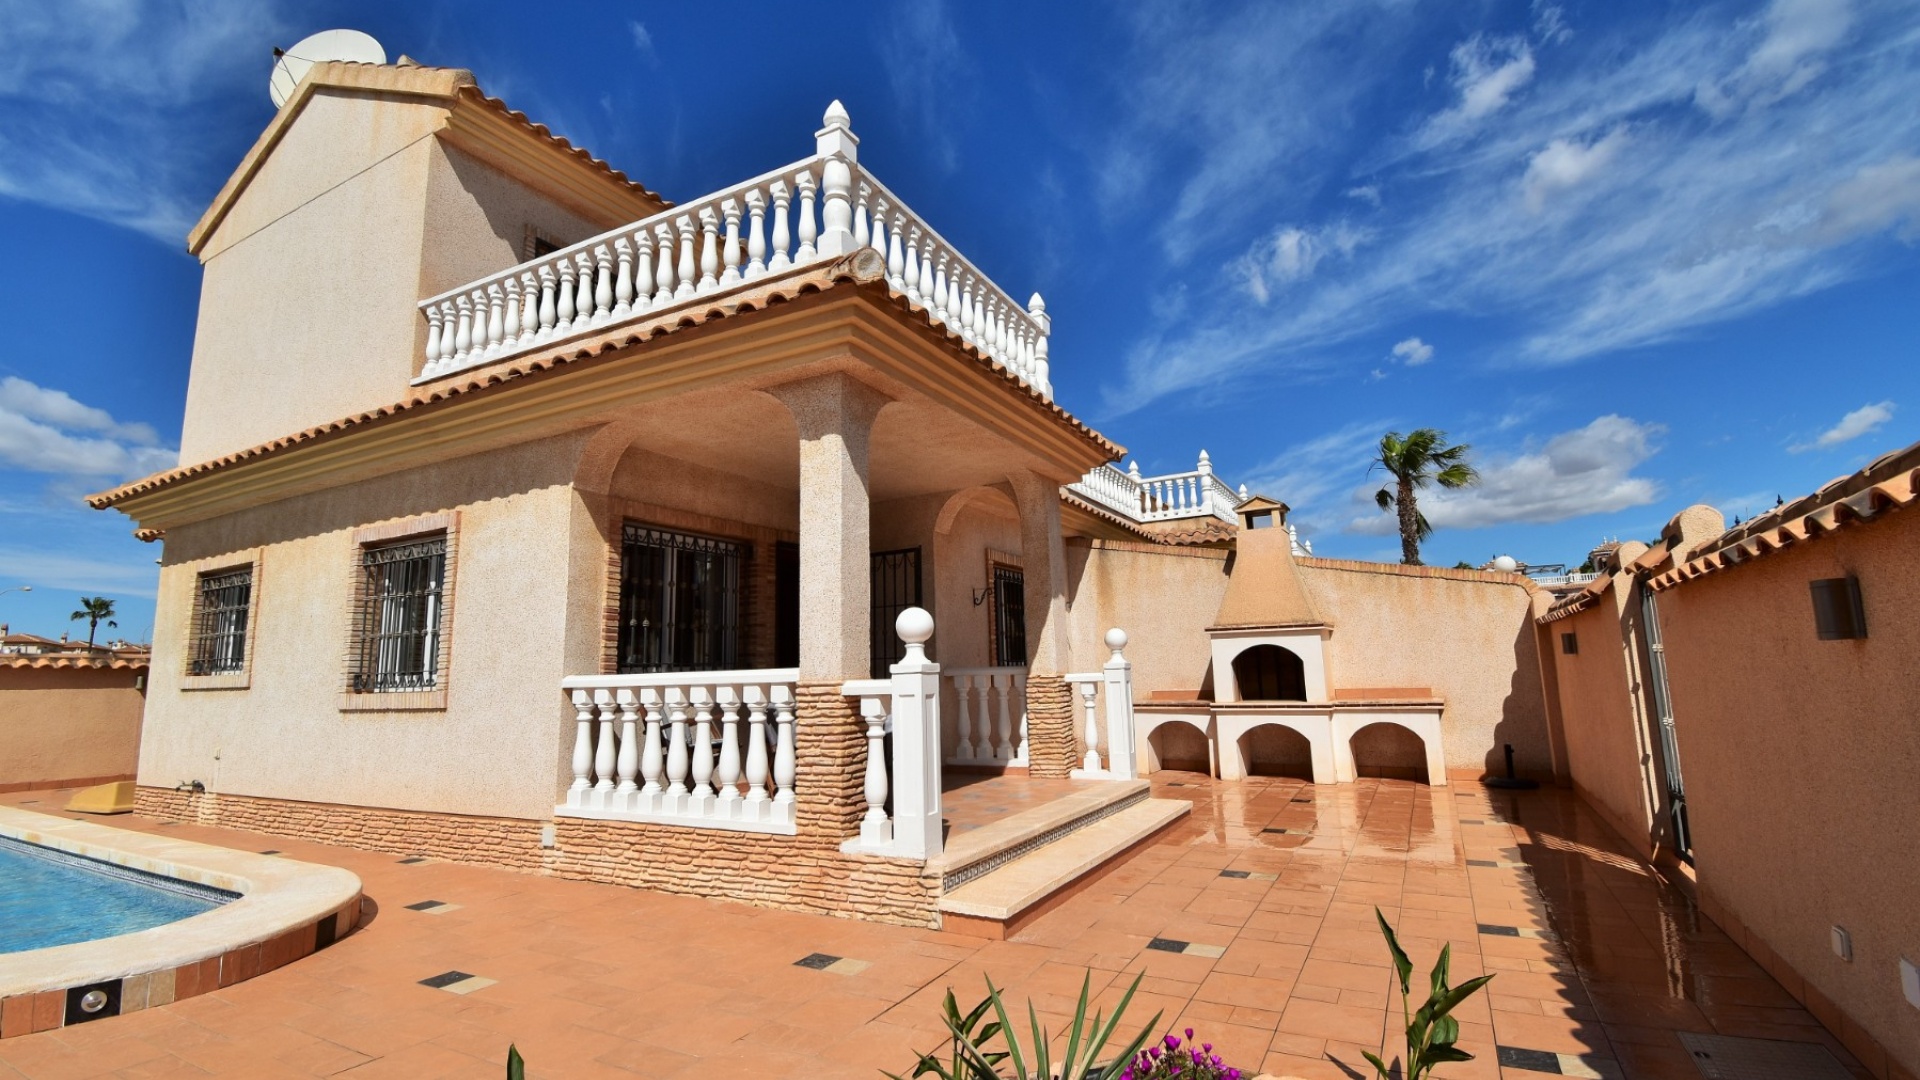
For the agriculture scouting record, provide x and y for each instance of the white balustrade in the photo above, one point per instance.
(1114, 682)
(907, 707)
(1198, 493)
(678, 766)
(990, 716)
(822, 207)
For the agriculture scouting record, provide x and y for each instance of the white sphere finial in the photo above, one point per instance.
(1506, 563)
(1035, 305)
(1116, 640)
(915, 626)
(837, 116)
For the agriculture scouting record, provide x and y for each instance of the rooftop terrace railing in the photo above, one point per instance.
(1194, 494)
(814, 210)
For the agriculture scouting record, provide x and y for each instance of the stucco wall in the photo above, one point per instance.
(1163, 597)
(1800, 756)
(64, 724)
(494, 750)
(1467, 635)
(1605, 720)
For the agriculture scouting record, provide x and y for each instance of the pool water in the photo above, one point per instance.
(50, 898)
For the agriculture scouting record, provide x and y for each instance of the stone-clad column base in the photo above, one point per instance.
(1051, 742)
(830, 747)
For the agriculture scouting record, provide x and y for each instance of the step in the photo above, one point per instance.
(970, 854)
(999, 903)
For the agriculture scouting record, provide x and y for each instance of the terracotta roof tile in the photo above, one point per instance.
(859, 270)
(472, 92)
(1891, 482)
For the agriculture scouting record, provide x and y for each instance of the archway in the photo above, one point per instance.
(1270, 673)
(1179, 744)
(1277, 750)
(1391, 751)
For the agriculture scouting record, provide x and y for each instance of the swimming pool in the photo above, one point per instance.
(55, 898)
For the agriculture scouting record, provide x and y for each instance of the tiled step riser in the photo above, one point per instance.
(955, 877)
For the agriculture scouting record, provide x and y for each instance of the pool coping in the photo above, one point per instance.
(287, 909)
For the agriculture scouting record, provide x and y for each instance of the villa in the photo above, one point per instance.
(737, 547)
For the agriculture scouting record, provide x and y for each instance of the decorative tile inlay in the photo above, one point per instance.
(1273, 830)
(1513, 1057)
(1234, 873)
(1481, 862)
(1249, 875)
(959, 876)
(271, 851)
(1499, 931)
(1586, 1066)
(433, 907)
(839, 965)
(458, 982)
(1186, 948)
(1724, 1057)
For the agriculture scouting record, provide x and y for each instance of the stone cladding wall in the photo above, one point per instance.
(804, 872)
(1052, 746)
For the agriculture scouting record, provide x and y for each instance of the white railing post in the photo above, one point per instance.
(629, 758)
(1089, 694)
(875, 830)
(836, 143)
(606, 750)
(916, 741)
(1122, 760)
(582, 744)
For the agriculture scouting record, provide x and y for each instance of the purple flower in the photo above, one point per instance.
(1172, 1043)
(1189, 1034)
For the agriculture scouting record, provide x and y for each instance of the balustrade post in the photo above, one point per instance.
(837, 144)
(529, 307)
(709, 251)
(728, 776)
(756, 701)
(629, 758)
(1089, 693)
(916, 741)
(730, 271)
(606, 749)
(564, 306)
(1122, 754)
(875, 829)
(862, 217)
(809, 229)
(1003, 741)
(663, 259)
(602, 283)
(652, 767)
(496, 318)
(677, 749)
(549, 301)
(702, 771)
(781, 236)
(582, 744)
(463, 337)
(688, 268)
(784, 764)
(756, 234)
(962, 690)
(433, 338)
(623, 284)
(1043, 327)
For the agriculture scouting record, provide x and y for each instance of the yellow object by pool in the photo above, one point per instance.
(114, 798)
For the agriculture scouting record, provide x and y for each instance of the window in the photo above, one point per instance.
(1569, 644)
(896, 587)
(543, 246)
(218, 645)
(1260, 519)
(1837, 611)
(401, 609)
(679, 601)
(1009, 616)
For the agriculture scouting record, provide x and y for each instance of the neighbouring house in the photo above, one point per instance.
(69, 715)
(528, 518)
(1741, 703)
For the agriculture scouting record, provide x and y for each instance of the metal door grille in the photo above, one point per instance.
(1009, 617)
(679, 601)
(1663, 714)
(219, 644)
(896, 587)
(400, 617)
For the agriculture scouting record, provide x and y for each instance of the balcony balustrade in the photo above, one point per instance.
(812, 211)
(1114, 683)
(1195, 494)
(990, 716)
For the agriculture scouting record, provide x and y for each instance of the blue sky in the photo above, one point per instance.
(1639, 255)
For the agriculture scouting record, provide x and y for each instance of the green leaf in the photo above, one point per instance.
(1440, 971)
(1446, 1032)
(1401, 965)
(1075, 1032)
(516, 1066)
(1378, 1065)
(1459, 994)
(1006, 1025)
(1440, 1055)
(1042, 1053)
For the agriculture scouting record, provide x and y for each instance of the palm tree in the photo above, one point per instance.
(1414, 462)
(94, 609)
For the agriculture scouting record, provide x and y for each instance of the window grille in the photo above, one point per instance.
(219, 642)
(679, 601)
(1009, 617)
(400, 616)
(896, 587)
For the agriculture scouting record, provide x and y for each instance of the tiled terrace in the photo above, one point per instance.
(1252, 921)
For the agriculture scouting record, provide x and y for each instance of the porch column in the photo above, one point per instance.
(1051, 712)
(834, 414)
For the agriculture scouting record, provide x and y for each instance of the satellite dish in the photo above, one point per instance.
(293, 64)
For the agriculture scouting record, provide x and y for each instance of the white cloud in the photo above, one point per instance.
(1366, 193)
(1550, 24)
(47, 431)
(132, 576)
(1588, 470)
(92, 89)
(1565, 164)
(1487, 72)
(1860, 421)
(1291, 255)
(642, 40)
(1651, 218)
(1311, 476)
(931, 74)
(1413, 352)
(1799, 34)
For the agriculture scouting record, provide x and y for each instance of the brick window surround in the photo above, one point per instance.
(423, 527)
